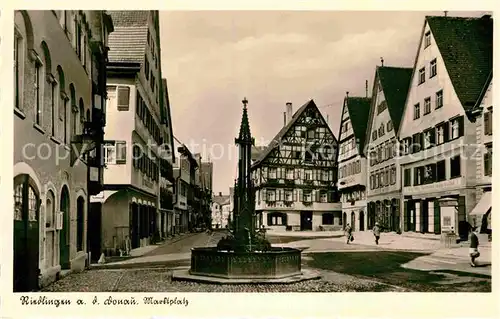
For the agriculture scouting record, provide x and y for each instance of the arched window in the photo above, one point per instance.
(50, 219)
(63, 105)
(23, 43)
(81, 110)
(74, 109)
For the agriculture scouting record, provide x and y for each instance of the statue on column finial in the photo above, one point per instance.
(245, 102)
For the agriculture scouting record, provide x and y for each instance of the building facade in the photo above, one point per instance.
(166, 179)
(220, 211)
(383, 191)
(128, 205)
(481, 214)
(59, 57)
(352, 162)
(295, 176)
(184, 207)
(437, 131)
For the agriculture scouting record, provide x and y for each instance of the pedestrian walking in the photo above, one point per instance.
(474, 244)
(348, 233)
(376, 232)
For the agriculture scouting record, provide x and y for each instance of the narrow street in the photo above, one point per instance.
(344, 267)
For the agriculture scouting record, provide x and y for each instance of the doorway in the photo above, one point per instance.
(306, 220)
(361, 221)
(353, 221)
(94, 230)
(64, 234)
(26, 234)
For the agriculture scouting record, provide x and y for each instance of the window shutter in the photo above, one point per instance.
(415, 176)
(446, 130)
(487, 123)
(123, 98)
(461, 126)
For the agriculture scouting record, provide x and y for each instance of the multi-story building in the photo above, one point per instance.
(166, 179)
(220, 211)
(352, 161)
(383, 192)
(59, 81)
(438, 136)
(206, 174)
(481, 214)
(128, 205)
(295, 176)
(184, 173)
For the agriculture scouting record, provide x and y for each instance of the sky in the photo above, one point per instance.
(213, 59)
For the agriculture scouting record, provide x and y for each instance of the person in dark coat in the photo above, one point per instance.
(348, 232)
(473, 249)
(376, 232)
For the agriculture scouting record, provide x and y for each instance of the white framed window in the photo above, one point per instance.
(271, 195)
(455, 129)
(406, 146)
(110, 154)
(307, 196)
(272, 172)
(427, 39)
(440, 134)
(290, 173)
(427, 139)
(439, 99)
(323, 197)
(433, 68)
(421, 75)
(288, 196)
(416, 111)
(427, 105)
(307, 175)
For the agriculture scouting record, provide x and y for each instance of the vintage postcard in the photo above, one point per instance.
(159, 152)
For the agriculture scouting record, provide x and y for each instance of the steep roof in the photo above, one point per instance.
(359, 111)
(395, 83)
(127, 43)
(256, 151)
(277, 139)
(466, 45)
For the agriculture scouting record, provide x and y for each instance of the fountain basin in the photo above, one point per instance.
(279, 262)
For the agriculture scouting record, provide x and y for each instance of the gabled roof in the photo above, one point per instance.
(359, 110)
(395, 83)
(127, 43)
(221, 200)
(466, 45)
(277, 139)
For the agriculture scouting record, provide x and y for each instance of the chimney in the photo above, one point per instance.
(220, 194)
(289, 111)
(284, 118)
(366, 88)
(446, 13)
(486, 17)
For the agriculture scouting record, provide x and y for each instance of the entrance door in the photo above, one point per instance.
(94, 230)
(26, 234)
(361, 221)
(64, 234)
(353, 221)
(134, 225)
(305, 220)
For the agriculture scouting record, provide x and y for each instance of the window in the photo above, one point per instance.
(457, 127)
(427, 105)
(38, 96)
(439, 99)
(433, 68)
(65, 120)
(146, 67)
(488, 123)
(374, 135)
(381, 107)
(271, 195)
(406, 146)
(53, 87)
(440, 171)
(323, 197)
(288, 196)
(123, 98)
(18, 66)
(327, 219)
(430, 173)
(427, 39)
(121, 152)
(276, 219)
(307, 175)
(418, 175)
(109, 154)
(79, 40)
(421, 75)
(416, 111)
(455, 167)
(290, 173)
(272, 172)
(440, 134)
(393, 174)
(488, 161)
(429, 138)
(389, 126)
(381, 130)
(407, 177)
(306, 196)
(417, 141)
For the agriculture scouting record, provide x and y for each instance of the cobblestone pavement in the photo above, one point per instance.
(159, 280)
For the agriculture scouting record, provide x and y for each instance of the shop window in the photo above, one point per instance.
(327, 219)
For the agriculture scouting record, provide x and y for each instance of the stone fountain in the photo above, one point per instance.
(245, 256)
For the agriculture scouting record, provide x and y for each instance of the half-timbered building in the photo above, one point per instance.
(437, 132)
(390, 88)
(352, 161)
(295, 175)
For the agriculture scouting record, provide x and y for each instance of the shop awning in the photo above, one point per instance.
(483, 206)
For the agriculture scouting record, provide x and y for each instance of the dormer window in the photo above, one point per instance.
(427, 39)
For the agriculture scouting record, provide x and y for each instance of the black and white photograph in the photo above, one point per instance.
(251, 151)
